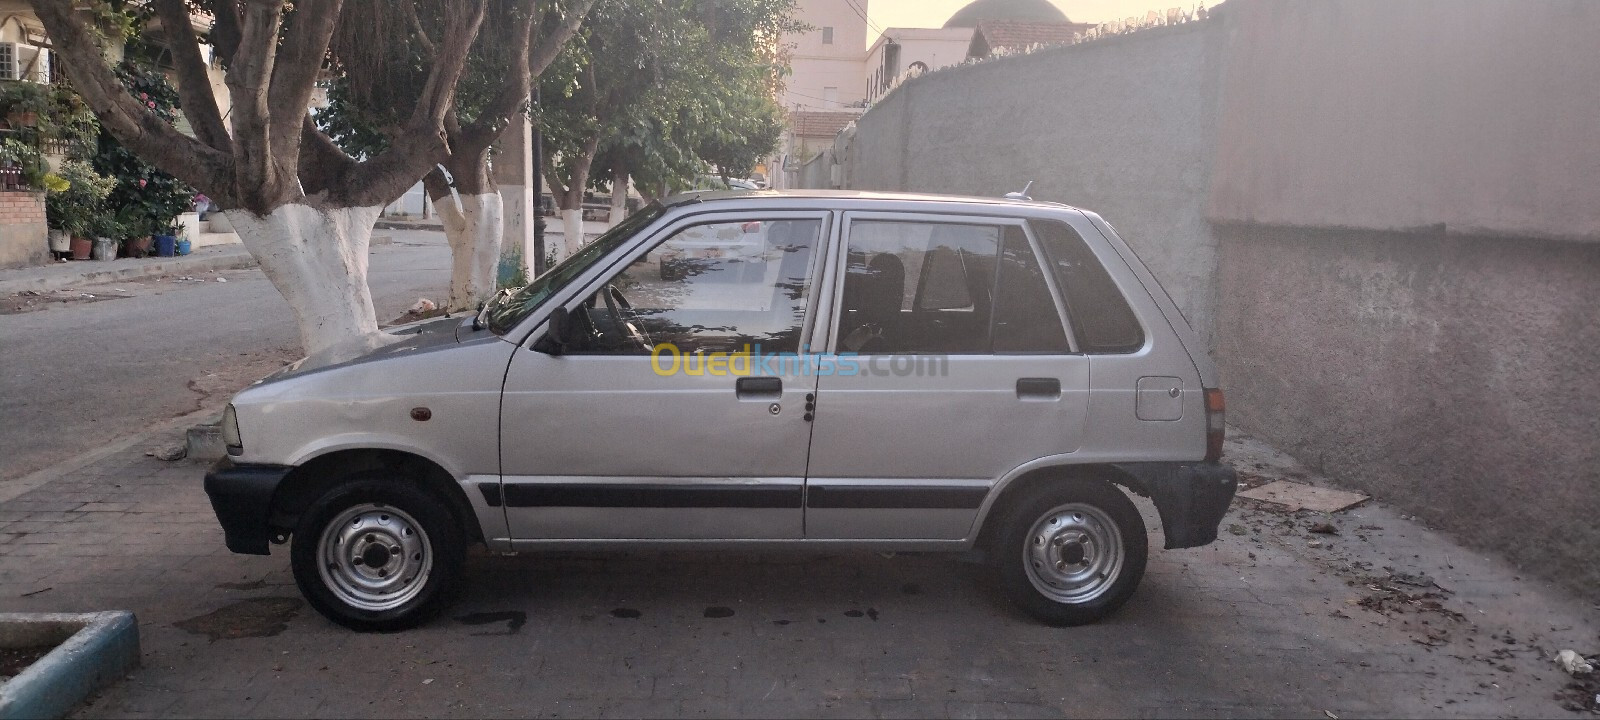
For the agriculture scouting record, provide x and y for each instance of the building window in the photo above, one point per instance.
(827, 36)
(830, 96)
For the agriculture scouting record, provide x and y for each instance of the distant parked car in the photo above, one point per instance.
(828, 370)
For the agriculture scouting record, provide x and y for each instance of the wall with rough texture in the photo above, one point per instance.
(1123, 126)
(1451, 376)
(1387, 115)
(24, 239)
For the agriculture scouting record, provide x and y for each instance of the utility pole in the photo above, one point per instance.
(539, 253)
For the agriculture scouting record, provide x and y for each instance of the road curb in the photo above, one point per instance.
(176, 266)
(95, 650)
(12, 488)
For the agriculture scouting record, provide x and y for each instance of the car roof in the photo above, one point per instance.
(718, 196)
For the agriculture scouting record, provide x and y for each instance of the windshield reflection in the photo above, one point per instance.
(515, 307)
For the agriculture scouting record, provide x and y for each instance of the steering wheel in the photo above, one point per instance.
(615, 299)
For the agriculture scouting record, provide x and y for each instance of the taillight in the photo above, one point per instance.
(1216, 425)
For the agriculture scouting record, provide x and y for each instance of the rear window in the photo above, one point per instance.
(1100, 315)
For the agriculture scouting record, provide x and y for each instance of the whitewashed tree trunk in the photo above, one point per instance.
(474, 232)
(317, 259)
(571, 232)
(619, 200)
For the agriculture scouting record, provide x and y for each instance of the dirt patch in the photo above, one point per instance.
(256, 617)
(14, 660)
(1583, 693)
(232, 374)
(33, 300)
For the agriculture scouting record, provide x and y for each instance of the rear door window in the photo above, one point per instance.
(1104, 322)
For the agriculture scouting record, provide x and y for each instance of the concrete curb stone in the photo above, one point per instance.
(97, 650)
(46, 279)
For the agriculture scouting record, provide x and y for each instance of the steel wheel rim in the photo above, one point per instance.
(374, 557)
(1073, 553)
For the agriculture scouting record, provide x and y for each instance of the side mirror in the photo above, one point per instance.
(558, 337)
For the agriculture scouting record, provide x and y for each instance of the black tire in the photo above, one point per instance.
(1106, 585)
(388, 507)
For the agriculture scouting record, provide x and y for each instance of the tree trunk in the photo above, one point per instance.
(571, 231)
(474, 224)
(317, 258)
(619, 194)
(474, 232)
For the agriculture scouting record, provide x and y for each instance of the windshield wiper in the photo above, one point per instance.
(480, 321)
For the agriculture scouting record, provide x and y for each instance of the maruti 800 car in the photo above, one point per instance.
(883, 372)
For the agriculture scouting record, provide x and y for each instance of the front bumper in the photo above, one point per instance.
(1191, 497)
(241, 495)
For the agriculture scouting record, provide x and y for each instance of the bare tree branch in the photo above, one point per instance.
(258, 182)
(422, 142)
(323, 165)
(513, 94)
(294, 75)
(410, 10)
(141, 131)
(194, 84)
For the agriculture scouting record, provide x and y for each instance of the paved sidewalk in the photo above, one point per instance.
(1260, 624)
(58, 275)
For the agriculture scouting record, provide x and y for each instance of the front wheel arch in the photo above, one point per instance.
(320, 475)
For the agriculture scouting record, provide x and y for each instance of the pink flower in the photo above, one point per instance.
(141, 183)
(152, 104)
(144, 96)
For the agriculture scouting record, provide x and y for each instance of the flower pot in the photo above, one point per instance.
(81, 247)
(140, 246)
(60, 241)
(183, 246)
(166, 245)
(105, 248)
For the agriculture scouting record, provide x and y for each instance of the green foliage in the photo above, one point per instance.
(670, 87)
(151, 199)
(75, 207)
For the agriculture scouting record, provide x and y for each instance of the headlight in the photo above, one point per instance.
(230, 431)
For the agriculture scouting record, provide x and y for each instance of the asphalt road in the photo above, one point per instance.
(81, 374)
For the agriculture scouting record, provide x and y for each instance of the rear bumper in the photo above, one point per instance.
(1191, 497)
(241, 496)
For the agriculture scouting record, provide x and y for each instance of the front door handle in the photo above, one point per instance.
(1039, 388)
(759, 388)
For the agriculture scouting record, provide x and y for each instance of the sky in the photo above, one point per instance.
(933, 13)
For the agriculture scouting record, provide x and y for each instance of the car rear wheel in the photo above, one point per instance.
(1071, 553)
(378, 555)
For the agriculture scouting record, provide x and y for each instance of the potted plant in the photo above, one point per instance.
(74, 207)
(106, 230)
(136, 228)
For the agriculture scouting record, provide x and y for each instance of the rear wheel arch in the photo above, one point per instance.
(1018, 486)
(316, 477)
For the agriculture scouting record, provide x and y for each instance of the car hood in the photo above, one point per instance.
(414, 337)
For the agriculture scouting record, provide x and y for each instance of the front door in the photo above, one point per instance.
(657, 425)
(950, 366)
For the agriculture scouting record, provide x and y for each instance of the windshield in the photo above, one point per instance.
(509, 310)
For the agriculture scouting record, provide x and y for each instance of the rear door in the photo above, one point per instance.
(949, 364)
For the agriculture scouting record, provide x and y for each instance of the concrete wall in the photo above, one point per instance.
(1124, 127)
(1388, 115)
(1452, 376)
(24, 239)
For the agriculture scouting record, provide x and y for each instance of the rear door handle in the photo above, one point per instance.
(759, 388)
(1039, 388)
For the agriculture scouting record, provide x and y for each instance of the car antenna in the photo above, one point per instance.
(1023, 195)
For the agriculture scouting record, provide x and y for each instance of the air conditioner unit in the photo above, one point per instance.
(20, 61)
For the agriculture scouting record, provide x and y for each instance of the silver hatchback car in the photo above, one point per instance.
(884, 372)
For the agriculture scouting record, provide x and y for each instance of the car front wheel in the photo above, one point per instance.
(1071, 553)
(378, 555)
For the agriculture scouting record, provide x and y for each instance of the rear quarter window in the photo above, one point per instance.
(1101, 317)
